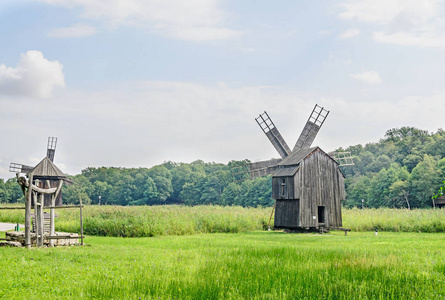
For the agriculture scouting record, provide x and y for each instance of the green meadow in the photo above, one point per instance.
(253, 265)
(213, 252)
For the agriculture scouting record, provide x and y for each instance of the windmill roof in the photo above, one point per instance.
(46, 168)
(286, 171)
(297, 156)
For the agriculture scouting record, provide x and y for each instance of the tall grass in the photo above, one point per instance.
(147, 221)
(396, 220)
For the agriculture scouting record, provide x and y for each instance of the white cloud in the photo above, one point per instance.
(146, 123)
(33, 76)
(75, 31)
(188, 20)
(407, 39)
(350, 33)
(368, 77)
(384, 11)
(404, 22)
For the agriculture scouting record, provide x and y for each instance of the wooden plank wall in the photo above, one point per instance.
(287, 214)
(322, 184)
(289, 190)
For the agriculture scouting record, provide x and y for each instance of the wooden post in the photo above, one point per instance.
(52, 231)
(28, 214)
(53, 204)
(42, 219)
(81, 222)
(271, 214)
(38, 218)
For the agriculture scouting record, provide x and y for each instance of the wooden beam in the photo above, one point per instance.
(28, 199)
(52, 229)
(24, 207)
(46, 207)
(35, 188)
(21, 186)
(42, 221)
(63, 237)
(44, 191)
(59, 188)
(66, 206)
(81, 221)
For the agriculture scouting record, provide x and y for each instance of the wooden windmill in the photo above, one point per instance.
(307, 183)
(42, 168)
(42, 189)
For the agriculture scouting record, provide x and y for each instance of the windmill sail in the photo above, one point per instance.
(52, 143)
(263, 168)
(19, 168)
(343, 158)
(310, 130)
(273, 134)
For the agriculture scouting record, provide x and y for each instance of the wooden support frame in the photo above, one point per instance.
(39, 208)
(28, 200)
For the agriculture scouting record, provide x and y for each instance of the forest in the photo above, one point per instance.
(404, 169)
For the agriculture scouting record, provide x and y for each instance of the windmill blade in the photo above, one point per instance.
(19, 168)
(343, 158)
(51, 149)
(273, 134)
(263, 168)
(310, 130)
(240, 171)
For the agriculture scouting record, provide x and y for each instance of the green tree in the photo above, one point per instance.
(230, 194)
(3, 192)
(15, 193)
(399, 192)
(163, 180)
(73, 193)
(424, 182)
(357, 189)
(150, 192)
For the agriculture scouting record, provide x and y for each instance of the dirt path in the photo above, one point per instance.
(9, 226)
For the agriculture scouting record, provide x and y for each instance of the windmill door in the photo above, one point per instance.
(287, 213)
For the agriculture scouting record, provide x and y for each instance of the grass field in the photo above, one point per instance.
(147, 221)
(254, 265)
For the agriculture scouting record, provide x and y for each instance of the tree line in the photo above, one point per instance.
(404, 169)
(169, 183)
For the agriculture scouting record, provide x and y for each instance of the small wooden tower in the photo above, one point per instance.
(308, 184)
(42, 188)
(46, 174)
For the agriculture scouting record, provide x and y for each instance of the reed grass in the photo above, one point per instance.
(395, 220)
(148, 221)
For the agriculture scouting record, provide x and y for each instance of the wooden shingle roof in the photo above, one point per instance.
(296, 157)
(286, 171)
(47, 169)
(291, 164)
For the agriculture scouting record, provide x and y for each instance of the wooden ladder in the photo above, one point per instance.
(46, 222)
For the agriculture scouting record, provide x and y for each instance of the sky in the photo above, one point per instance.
(135, 83)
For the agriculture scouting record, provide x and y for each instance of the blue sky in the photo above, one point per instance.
(133, 83)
